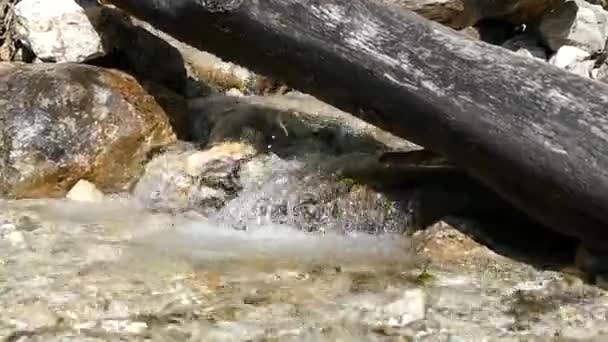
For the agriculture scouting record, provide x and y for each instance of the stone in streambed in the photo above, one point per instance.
(186, 179)
(85, 191)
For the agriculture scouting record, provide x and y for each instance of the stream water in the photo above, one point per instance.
(115, 271)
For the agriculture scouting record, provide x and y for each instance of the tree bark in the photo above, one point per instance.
(535, 134)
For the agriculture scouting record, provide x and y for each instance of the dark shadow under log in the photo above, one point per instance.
(535, 134)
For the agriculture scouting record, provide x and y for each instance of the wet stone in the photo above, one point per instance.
(73, 122)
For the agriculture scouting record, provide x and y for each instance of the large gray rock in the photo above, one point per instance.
(60, 30)
(575, 23)
(64, 122)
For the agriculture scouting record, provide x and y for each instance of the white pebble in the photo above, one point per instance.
(85, 191)
(16, 239)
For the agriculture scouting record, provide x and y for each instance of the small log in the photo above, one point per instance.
(533, 133)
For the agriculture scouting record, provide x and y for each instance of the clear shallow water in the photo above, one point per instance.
(245, 282)
(117, 271)
(285, 212)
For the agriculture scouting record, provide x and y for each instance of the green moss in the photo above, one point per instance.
(349, 182)
(425, 278)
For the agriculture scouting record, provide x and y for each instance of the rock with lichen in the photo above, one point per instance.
(60, 123)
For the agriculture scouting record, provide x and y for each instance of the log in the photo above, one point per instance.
(534, 133)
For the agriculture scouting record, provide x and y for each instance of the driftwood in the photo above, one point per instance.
(535, 134)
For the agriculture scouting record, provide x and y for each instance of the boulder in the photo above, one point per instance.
(576, 23)
(59, 30)
(64, 122)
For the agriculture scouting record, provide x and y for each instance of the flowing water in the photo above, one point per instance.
(255, 271)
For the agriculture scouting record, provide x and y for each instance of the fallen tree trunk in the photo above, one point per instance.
(535, 134)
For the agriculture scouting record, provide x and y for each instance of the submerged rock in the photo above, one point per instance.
(301, 194)
(59, 30)
(187, 179)
(234, 185)
(407, 307)
(65, 122)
